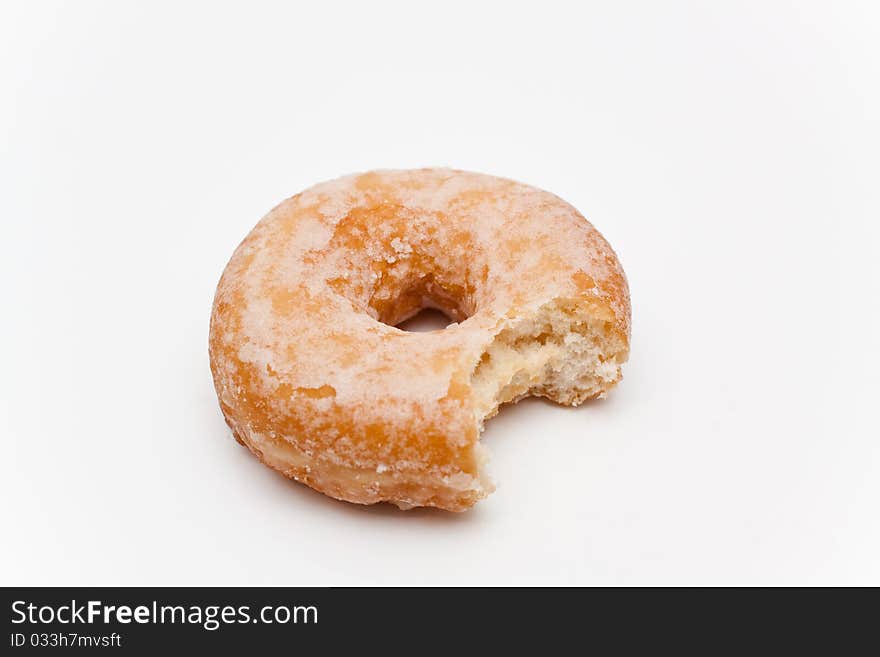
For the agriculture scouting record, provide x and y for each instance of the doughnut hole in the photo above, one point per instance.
(392, 264)
(425, 321)
(425, 293)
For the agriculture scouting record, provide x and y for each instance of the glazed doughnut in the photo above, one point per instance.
(313, 377)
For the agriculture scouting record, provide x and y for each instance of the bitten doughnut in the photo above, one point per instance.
(313, 377)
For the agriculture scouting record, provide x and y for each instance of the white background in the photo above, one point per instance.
(728, 151)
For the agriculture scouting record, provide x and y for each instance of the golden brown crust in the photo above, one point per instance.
(313, 377)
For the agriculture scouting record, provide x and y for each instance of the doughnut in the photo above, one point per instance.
(314, 377)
